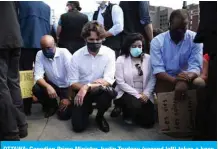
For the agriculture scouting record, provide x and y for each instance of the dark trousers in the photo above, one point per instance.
(10, 118)
(210, 104)
(41, 93)
(80, 114)
(10, 94)
(9, 76)
(27, 58)
(212, 99)
(141, 113)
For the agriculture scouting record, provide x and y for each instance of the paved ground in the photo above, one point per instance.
(54, 129)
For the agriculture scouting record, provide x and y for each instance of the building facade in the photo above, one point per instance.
(194, 14)
(160, 17)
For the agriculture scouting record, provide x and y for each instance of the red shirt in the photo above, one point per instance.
(207, 57)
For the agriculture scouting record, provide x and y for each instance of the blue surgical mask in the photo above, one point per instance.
(48, 53)
(135, 52)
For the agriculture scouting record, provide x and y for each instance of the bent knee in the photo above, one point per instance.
(199, 82)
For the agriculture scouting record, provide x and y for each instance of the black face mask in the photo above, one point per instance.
(177, 35)
(94, 47)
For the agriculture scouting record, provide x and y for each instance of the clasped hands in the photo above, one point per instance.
(143, 98)
(78, 100)
(52, 94)
(182, 81)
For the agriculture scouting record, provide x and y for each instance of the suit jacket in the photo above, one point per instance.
(124, 77)
(10, 36)
(34, 19)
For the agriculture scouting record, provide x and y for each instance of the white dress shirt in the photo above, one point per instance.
(117, 18)
(56, 70)
(85, 68)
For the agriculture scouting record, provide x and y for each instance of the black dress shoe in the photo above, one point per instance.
(102, 124)
(116, 112)
(23, 130)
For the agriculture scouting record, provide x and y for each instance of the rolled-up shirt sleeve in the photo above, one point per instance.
(195, 61)
(156, 58)
(118, 20)
(73, 73)
(145, 18)
(109, 72)
(39, 68)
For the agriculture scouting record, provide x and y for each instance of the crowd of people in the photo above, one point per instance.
(117, 58)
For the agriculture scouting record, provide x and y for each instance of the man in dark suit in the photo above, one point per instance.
(13, 124)
(70, 27)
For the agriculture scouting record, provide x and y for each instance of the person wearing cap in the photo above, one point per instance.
(111, 17)
(68, 32)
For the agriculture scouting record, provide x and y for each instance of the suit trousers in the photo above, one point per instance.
(11, 103)
(80, 114)
(133, 108)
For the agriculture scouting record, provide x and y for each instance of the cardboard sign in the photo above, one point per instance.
(176, 116)
(26, 83)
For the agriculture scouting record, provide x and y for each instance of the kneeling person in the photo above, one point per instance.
(176, 60)
(51, 77)
(92, 74)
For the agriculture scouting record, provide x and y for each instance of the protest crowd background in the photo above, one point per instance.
(118, 58)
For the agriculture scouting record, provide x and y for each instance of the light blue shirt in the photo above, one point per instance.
(168, 57)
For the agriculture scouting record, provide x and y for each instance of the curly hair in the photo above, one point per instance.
(93, 26)
(130, 39)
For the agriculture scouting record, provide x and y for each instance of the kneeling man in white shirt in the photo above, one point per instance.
(51, 76)
(92, 71)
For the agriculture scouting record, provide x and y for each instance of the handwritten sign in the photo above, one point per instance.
(26, 83)
(176, 116)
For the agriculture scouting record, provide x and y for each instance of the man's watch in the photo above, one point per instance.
(89, 87)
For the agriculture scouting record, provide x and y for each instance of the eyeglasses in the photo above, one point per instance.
(140, 72)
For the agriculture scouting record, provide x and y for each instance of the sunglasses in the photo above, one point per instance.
(140, 72)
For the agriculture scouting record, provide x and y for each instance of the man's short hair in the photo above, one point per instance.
(179, 13)
(93, 26)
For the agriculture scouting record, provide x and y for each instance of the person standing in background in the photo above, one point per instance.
(111, 17)
(70, 27)
(35, 22)
(13, 125)
(137, 20)
(206, 118)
